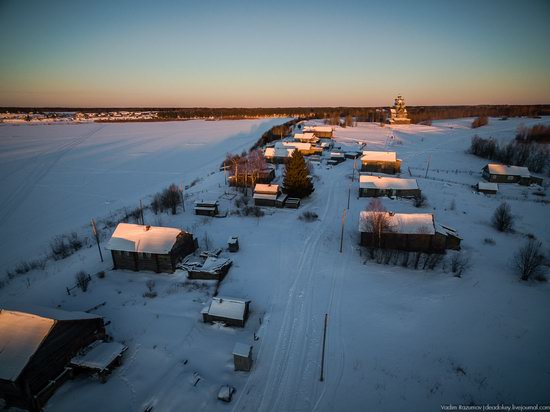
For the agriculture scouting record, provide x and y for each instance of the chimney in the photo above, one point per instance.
(147, 227)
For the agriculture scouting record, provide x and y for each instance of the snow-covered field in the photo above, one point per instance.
(397, 338)
(55, 178)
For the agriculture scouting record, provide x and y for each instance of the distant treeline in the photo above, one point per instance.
(367, 114)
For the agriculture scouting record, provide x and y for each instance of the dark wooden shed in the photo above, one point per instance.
(158, 249)
(36, 346)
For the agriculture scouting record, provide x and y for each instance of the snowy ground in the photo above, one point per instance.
(55, 178)
(397, 339)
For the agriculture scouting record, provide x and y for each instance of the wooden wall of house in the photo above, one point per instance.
(62, 343)
(367, 192)
(265, 202)
(381, 167)
(410, 242)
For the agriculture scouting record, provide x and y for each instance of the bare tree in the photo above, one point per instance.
(377, 220)
(502, 218)
(528, 260)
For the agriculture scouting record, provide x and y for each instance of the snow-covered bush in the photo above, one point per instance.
(308, 216)
(60, 248)
(420, 201)
(82, 280)
(528, 260)
(503, 220)
(459, 264)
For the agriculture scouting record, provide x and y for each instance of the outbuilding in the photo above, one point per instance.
(415, 232)
(374, 186)
(207, 207)
(277, 154)
(242, 357)
(487, 188)
(36, 346)
(268, 195)
(380, 162)
(158, 249)
(231, 311)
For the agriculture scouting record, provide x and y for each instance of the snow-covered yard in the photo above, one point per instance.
(397, 338)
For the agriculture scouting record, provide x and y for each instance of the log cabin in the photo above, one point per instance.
(158, 249)
(415, 232)
(498, 173)
(374, 186)
(380, 162)
(36, 346)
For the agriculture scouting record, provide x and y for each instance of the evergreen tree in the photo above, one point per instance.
(296, 181)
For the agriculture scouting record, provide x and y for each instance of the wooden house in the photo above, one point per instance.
(415, 232)
(268, 195)
(497, 173)
(487, 188)
(374, 186)
(232, 312)
(277, 154)
(207, 207)
(36, 346)
(158, 249)
(323, 132)
(306, 149)
(380, 162)
(306, 138)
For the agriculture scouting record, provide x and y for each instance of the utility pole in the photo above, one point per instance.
(428, 166)
(96, 235)
(342, 232)
(141, 212)
(349, 193)
(354, 167)
(182, 196)
(323, 352)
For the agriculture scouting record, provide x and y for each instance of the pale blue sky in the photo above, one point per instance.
(280, 53)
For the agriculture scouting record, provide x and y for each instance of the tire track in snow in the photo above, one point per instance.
(294, 357)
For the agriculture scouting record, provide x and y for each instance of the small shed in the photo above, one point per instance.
(231, 311)
(158, 249)
(292, 202)
(487, 188)
(100, 358)
(207, 207)
(233, 244)
(338, 157)
(380, 162)
(374, 186)
(36, 346)
(242, 357)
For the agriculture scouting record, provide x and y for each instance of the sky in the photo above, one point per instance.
(273, 54)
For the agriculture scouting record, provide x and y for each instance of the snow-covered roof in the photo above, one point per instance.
(144, 239)
(100, 356)
(295, 145)
(337, 154)
(22, 333)
(498, 169)
(266, 188)
(229, 308)
(242, 349)
(306, 137)
(322, 129)
(278, 152)
(373, 156)
(404, 223)
(379, 182)
(487, 186)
